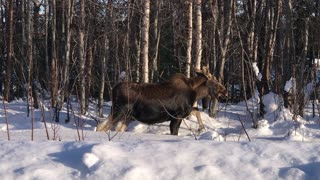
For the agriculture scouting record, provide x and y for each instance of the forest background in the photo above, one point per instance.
(82, 47)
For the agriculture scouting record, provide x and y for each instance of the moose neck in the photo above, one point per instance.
(202, 92)
(197, 81)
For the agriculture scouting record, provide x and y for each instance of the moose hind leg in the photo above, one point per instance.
(109, 123)
(174, 126)
(105, 125)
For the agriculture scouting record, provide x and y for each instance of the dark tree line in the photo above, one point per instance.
(82, 47)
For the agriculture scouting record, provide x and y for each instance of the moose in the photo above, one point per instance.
(152, 103)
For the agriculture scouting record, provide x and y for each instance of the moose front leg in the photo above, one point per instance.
(196, 112)
(174, 126)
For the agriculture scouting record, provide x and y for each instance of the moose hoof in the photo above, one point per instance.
(201, 128)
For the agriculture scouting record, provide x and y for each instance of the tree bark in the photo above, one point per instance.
(224, 32)
(29, 54)
(30, 66)
(145, 41)
(66, 63)
(271, 24)
(214, 54)
(82, 59)
(198, 35)
(36, 40)
(156, 41)
(54, 61)
(103, 76)
(127, 41)
(10, 52)
(138, 56)
(189, 39)
(91, 48)
(303, 57)
(46, 58)
(225, 11)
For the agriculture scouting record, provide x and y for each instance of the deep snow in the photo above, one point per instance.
(279, 149)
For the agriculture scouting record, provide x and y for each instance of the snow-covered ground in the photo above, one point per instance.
(279, 149)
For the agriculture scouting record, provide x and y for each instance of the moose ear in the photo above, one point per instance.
(199, 72)
(204, 72)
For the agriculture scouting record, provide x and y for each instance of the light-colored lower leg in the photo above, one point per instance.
(197, 114)
(105, 125)
(121, 126)
(124, 127)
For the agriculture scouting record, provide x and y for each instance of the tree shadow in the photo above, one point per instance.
(72, 156)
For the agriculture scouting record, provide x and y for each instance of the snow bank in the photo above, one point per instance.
(154, 160)
(271, 102)
(279, 149)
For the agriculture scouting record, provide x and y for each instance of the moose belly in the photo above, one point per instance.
(151, 113)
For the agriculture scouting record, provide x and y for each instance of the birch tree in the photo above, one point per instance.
(224, 11)
(155, 41)
(145, 41)
(82, 59)
(273, 11)
(198, 48)
(189, 38)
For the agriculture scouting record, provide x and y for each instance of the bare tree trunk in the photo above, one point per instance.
(10, 51)
(198, 35)
(145, 41)
(91, 48)
(301, 80)
(294, 93)
(54, 61)
(103, 75)
(224, 31)
(271, 29)
(138, 55)
(156, 41)
(174, 30)
(2, 49)
(30, 59)
(127, 41)
(116, 52)
(214, 9)
(271, 24)
(251, 15)
(82, 59)
(243, 76)
(46, 59)
(189, 39)
(29, 54)
(23, 28)
(89, 70)
(35, 43)
(225, 11)
(66, 73)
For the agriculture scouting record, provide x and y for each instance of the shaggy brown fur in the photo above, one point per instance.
(152, 103)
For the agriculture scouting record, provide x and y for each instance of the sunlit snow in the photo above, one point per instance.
(279, 149)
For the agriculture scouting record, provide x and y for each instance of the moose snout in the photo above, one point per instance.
(224, 95)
